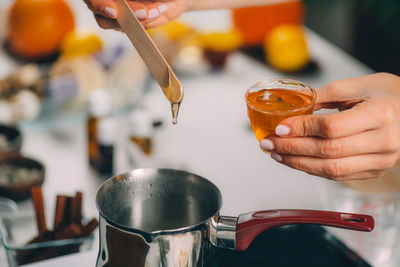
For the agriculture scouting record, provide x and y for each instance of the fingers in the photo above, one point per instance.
(153, 15)
(368, 115)
(148, 1)
(385, 141)
(104, 8)
(344, 94)
(157, 22)
(340, 91)
(106, 23)
(352, 89)
(362, 175)
(149, 13)
(149, 16)
(352, 167)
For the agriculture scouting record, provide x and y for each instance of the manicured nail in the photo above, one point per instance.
(282, 130)
(162, 8)
(276, 157)
(110, 12)
(141, 14)
(153, 13)
(267, 144)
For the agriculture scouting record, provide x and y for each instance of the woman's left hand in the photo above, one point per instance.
(361, 141)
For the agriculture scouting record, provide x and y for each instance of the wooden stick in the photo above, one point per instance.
(149, 52)
(38, 204)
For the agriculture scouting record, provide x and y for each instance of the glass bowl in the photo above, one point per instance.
(17, 228)
(380, 247)
(271, 101)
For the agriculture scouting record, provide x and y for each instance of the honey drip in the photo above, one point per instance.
(174, 94)
(175, 111)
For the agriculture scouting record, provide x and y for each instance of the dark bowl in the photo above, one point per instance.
(22, 190)
(14, 142)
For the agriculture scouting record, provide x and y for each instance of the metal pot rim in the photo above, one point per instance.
(129, 174)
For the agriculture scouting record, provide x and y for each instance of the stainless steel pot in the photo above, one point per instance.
(162, 217)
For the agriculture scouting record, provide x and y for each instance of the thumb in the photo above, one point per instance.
(353, 89)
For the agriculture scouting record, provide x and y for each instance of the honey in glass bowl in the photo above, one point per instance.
(271, 101)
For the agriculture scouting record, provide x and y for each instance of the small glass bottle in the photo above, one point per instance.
(106, 147)
(99, 108)
(140, 143)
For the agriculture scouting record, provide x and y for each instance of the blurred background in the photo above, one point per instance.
(366, 29)
(58, 44)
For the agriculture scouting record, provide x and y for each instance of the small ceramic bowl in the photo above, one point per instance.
(20, 188)
(10, 142)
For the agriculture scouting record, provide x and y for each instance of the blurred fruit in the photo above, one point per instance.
(286, 48)
(168, 38)
(173, 30)
(77, 44)
(219, 45)
(222, 41)
(37, 27)
(255, 22)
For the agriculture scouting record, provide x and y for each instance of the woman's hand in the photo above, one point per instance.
(151, 13)
(359, 142)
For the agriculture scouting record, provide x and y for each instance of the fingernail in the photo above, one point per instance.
(141, 14)
(153, 13)
(267, 144)
(162, 8)
(282, 130)
(276, 157)
(110, 12)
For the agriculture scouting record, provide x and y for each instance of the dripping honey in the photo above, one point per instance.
(267, 107)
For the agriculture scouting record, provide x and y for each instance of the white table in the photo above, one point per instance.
(212, 138)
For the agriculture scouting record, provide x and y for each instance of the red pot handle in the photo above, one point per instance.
(252, 224)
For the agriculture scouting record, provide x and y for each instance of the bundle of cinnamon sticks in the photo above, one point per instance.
(67, 225)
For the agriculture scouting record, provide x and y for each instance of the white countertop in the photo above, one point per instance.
(212, 138)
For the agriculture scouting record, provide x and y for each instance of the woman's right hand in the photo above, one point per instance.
(151, 13)
(361, 141)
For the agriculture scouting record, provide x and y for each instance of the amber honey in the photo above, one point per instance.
(267, 107)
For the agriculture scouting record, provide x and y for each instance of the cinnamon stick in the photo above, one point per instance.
(67, 211)
(71, 231)
(67, 225)
(61, 203)
(89, 227)
(38, 204)
(76, 208)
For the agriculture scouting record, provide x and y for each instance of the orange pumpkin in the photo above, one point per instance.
(37, 27)
(255, 22)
